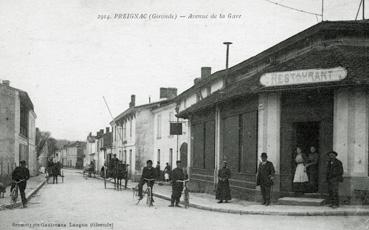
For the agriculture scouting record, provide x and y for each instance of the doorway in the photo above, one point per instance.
(307, 135)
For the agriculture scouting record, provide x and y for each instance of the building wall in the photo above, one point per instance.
(166, 143)
(8, 133)
(350, 138)
(32, 161)
(144, 137)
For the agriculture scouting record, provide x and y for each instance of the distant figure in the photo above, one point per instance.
(167, 171)
(21, 175)
(334, 177)
(177, 186)
(312, 168)
(265, 178)
(300, 178)
(223, 190)
(158, 173)
(49, 169)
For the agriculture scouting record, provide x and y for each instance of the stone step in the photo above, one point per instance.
(301, 201)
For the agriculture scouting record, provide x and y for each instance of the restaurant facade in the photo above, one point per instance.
(309, 90)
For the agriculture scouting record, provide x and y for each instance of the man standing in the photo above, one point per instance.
(177, 186)
(265, 178)
(334, 177)
(148, 172)
(21, 175)
(223, 190)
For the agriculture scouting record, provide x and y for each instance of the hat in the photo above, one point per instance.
(178, 162)
(264, 154)
(149, 161)
(22, 162)
(334, 152)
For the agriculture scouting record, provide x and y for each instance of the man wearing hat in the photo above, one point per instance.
(177, 186)
(223, 190)
(334, 177)
(21, 173)
(265, 178)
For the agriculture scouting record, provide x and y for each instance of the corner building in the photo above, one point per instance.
(311, 89)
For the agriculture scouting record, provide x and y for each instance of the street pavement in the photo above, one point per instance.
(85, 204)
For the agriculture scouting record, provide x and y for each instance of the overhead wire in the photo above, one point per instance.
(295, 9)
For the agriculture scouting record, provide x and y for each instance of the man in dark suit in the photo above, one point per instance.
(177, 186)
(334, 177)
(21, 175)
(148, 172)
(265, 178)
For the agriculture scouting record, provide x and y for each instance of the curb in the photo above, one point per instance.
(269, 213)
(28, 197)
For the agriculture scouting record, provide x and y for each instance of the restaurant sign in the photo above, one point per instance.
(307, 76)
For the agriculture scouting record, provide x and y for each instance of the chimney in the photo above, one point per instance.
(133, 101)
(107, 129)
(196, 80)
(6, 82)
(101, 131)
(205, 72)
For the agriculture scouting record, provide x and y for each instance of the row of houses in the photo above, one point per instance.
(17, 131)
(308, 90)
(71, 155)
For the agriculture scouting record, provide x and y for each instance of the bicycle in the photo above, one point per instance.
(186, 194)
(148, 191)
(14, 191)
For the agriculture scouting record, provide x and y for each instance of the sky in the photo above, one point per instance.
(67, 58)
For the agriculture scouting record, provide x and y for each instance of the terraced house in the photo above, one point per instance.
(308, 90)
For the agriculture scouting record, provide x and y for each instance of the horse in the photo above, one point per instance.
(120, 172)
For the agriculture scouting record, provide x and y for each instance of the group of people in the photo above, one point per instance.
(305, 176)
(149, 173)
(53, 170)
(165, 175)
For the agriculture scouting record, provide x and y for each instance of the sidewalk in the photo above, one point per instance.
(207, 202)
(33, 185)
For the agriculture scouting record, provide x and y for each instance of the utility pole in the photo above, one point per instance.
(363, 9)
(227, 59)
(322, 10)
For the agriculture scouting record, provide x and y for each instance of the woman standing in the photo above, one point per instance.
(313, 169)
(300, 179)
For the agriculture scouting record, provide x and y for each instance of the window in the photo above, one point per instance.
(158, 128)
(124, 130)
(130, 128)
(158, 155)
(23, 121)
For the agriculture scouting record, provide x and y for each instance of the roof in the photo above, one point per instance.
(23, 95)
(133, 110)
(354, 59)
(322, 28)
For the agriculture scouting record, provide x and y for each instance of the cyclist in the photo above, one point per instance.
(177, 186)
(21, 173)
(148, 172)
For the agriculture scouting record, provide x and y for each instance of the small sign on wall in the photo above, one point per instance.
(307, 76)
(175, 128)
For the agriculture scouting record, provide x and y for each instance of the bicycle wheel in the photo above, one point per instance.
(14, 194)
(149, 196)
(186, 198)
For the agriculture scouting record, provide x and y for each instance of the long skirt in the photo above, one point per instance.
(300, 179)
(223, 191)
